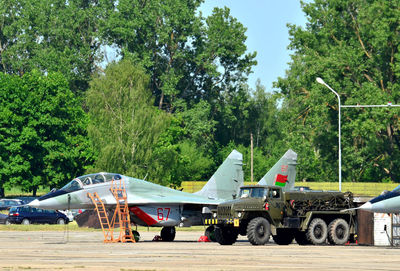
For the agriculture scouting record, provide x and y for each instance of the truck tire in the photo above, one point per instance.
(338, 232)
(317, 231)
(225, 235)
(258, 231)
(168, 234)
(283, 237)
(210, 233)
(301, 238)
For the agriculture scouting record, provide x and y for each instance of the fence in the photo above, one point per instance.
(358, 189)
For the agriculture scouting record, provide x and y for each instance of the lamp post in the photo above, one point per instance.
(319, 80)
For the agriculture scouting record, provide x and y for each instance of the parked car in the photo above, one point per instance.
(4, 219)
(27, 215)
(6, 204)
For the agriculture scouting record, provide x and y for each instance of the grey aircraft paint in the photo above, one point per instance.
(387, 202)
(285, 167)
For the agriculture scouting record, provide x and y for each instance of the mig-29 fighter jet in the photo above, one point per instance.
(387, 202)
(150, 204)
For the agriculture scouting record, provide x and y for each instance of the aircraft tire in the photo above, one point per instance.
(136, 235)
(210, 233)
(168, 234)
(301, 238)
(283, 237)
(225, 235)
(258, 231)
(317, 232)
(338, 232)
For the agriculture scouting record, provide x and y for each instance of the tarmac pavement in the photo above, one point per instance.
(52, 250)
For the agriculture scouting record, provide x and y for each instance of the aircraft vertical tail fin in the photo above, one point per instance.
(226, 181)
(283, 173)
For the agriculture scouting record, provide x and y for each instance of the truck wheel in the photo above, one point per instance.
(168, 234)
(301, 238)
(317, 231)
(225, 235)
(210, 233)
(283, 237)
(338, 232)
(258, 231)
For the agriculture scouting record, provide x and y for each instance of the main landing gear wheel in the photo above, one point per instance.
(338, 232)
(136, 235)
(258, 231)
(168, 234)
(210, 233)
(317, 232)
(226, 235)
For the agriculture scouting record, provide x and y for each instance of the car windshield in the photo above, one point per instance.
(13, 209)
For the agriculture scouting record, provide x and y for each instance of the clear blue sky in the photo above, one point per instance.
(267, 32)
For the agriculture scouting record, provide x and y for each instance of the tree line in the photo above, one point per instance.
(177, 101)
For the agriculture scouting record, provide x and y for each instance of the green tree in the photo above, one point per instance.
(42, 132)
(353, 46)
(125, 126)
(51, 35)
(188, 57)
(185, 149)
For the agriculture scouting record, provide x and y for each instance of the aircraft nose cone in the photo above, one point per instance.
(366, 206)
(35, 203)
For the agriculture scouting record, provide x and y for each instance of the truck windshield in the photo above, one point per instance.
(253, 192)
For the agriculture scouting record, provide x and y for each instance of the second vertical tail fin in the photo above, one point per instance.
(283, 173)
(225, 182)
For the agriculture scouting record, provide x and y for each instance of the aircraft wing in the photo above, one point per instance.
(149, 193)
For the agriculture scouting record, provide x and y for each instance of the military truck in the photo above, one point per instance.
(309, 217)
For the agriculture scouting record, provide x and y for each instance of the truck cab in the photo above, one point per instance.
(262, 198)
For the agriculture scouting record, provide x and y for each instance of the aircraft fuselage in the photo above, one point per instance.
(149, 204)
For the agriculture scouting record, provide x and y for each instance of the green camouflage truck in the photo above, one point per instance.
(312, 217)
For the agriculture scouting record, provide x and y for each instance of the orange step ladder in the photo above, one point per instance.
(121, 211)
(119, 191)
(108, 229)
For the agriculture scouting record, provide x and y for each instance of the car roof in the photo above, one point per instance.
(18, 200)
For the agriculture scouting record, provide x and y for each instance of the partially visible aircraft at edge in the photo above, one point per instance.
(155, 205)
(387, 202)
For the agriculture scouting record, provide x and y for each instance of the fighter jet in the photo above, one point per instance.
(151, 204)
(387, 202)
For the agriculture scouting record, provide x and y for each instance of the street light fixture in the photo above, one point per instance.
(389, 104)
(319, 80)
